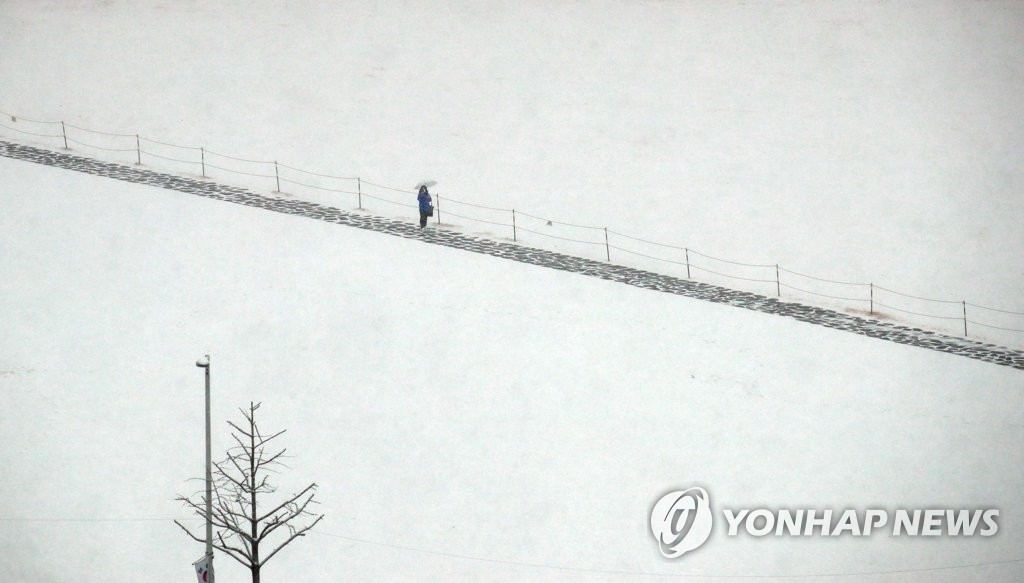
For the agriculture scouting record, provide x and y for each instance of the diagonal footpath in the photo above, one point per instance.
(628, 275)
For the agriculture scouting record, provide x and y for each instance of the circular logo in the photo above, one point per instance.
(681, 521)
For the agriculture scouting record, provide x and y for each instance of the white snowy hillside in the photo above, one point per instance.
(508, 422)
(810, 135)
(470, 418)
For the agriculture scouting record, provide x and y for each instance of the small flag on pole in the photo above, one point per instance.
(202, 569)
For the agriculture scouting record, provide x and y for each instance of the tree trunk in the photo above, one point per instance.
(252, 475)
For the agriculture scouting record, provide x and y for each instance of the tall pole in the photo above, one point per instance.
(205, 364)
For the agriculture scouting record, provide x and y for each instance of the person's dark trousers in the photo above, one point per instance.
(423, 219)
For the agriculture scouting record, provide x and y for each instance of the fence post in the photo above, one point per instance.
(202, 160)
(687, 249)
(64, 132)
(514, 225)
(138, 150)
(607, 247)
(439, 209)
(872, 299)
(277, 177)
(359, 191)
(778, 285)
(964, 303)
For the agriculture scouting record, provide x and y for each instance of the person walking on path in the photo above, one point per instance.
(426, 206)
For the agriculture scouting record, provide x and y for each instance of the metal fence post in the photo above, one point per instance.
(359, 191)
(202, 160)
(964, 303)
(607, 247)
(514, 225)
(872, 299)
(438, 209)
(778, 284)
(64, 132)
(277, 177)
(687, 250)
(138, 150)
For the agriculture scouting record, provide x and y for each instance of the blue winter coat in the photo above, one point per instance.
(425, 200)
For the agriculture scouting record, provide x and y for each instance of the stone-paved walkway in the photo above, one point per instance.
(636, 277)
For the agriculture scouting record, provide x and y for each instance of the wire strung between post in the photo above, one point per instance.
(388, 200)
(561, 223)
(317, 174)
(692, 266)
(32, 133)
(479, 206)
(406, 205)
(145, 139)
(99, 132)
(995, 310)
(995, 327)
(95, 147)
(288, 180)
(17, 118)
(957, 318)
(824, 295)
(676, 247)
(241, 159)
(773, 266)
(208, 165)
(919, 298)
(450, 213)
(168, 158)
(525, 230)
(389, 188)
(647, 256)
(783, 269)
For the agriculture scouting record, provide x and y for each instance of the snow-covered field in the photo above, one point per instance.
(446, 401)
(860, 142)
(469, 407)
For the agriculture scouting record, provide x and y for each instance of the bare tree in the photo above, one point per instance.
(242, 530)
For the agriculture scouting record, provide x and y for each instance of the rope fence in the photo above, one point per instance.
(168, 158)
(916, 297)
(595, 242)
(167, 145)
(831, 297)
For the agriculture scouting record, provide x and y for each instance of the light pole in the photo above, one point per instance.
(204, 363)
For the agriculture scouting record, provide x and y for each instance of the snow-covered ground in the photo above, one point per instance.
(446, 401)
(860, 142)
(470, 407)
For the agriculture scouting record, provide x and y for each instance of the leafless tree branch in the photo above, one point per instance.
(189, 533)
(292, 537)
(241, 482)
(237, 554)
